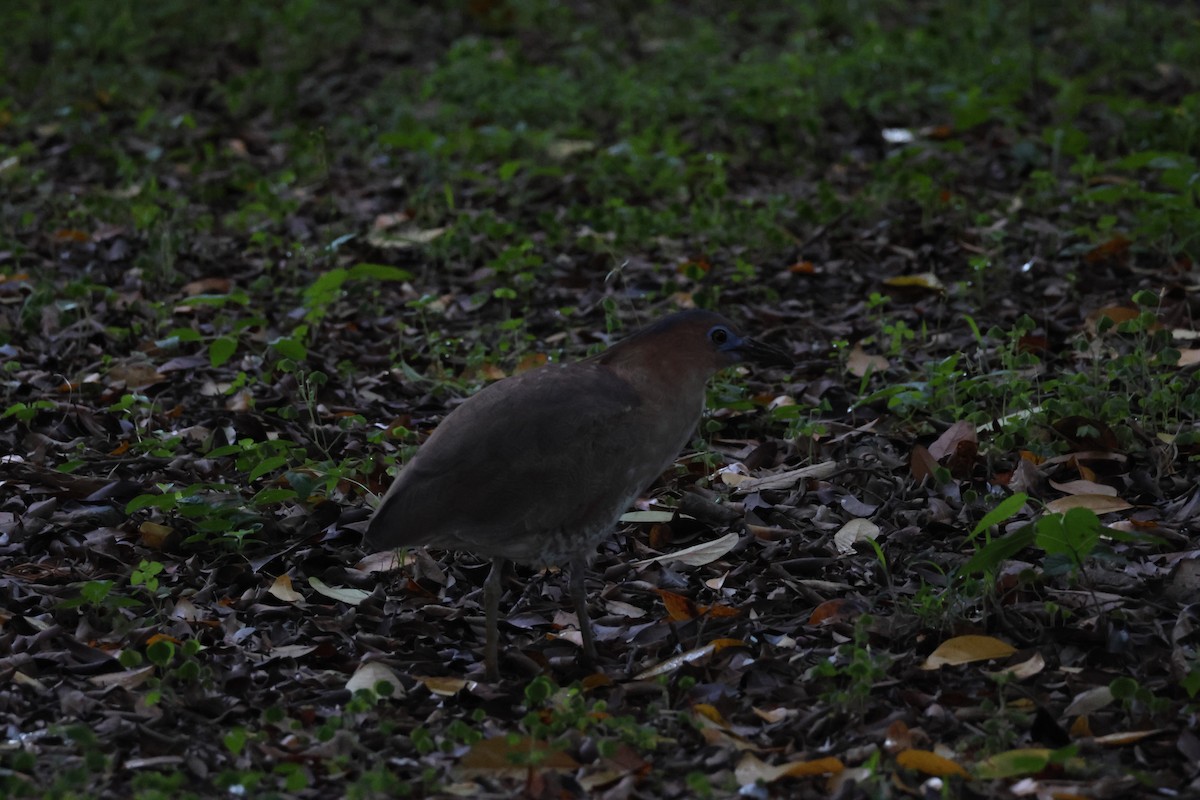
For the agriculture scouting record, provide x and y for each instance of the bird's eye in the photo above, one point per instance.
(718, 335)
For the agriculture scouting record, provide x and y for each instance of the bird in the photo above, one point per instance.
(537, 468)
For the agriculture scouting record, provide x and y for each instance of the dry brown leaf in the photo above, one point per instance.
(1026, 669)
(774, 715)
(442, 686)
(207, 286)
(854, 531)
(675, 662)
(930, 764)
(858, 363)
(1089, 702)
(786, 480)
(965, 649)
(281, 588)
(750, 770)
(1125, 737)
(679, 608)
(153, 534)
(134, 374)
(128, 679)
(499, 754)
(1115, 314)
(922, 464)
(951, 438)
(386, 561)
(1099, 503)
(697, 555)
(923, 280)
(1189, 358)
(371, 674)
(344, 594)
(1085, 487)
(831, 610)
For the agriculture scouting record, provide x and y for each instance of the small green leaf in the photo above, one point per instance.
(221, 350)
(379, 272)
(996, 551)
(271, 496)
(267, 465)
(289, 348)
(163, 501)
(235, 740)
(161, 653)
(1005, 509)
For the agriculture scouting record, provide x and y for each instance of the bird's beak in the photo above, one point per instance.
(768, 355)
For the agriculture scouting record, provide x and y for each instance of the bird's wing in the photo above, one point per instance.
(527, 456)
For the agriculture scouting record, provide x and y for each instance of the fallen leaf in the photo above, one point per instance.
(786, 480)
(929, 763)
(1188, 358)
(371, 674)
(675, 662)
(1085, 487)
(922, 280)
(127, 679)
(965, 649)
(1125, 737)
(646, 516)
(562, 149)
(950, 439)
(856, 530)
(281, 588)
(858, 363)
(442, 686)
(1026, 669)
(697, 555)
(504, 754)
(1009, 764)
(751, 770)
(1089, 702)
(1099, 503)
(345, 595)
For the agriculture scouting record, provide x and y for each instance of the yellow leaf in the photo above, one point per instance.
(446, 687)
(965, 649)
(924, 280)
(281, 589)
(1125, 737)
(929, 763)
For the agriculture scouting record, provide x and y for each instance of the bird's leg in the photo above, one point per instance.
(491, 610)
(579, 598)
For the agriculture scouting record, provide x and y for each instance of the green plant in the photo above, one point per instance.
(1068, 540)
(850, 674)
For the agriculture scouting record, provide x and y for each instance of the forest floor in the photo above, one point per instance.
(252, 253)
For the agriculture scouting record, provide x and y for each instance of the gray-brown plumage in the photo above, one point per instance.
(537, 468)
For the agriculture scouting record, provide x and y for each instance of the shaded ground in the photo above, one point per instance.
(250, 257)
